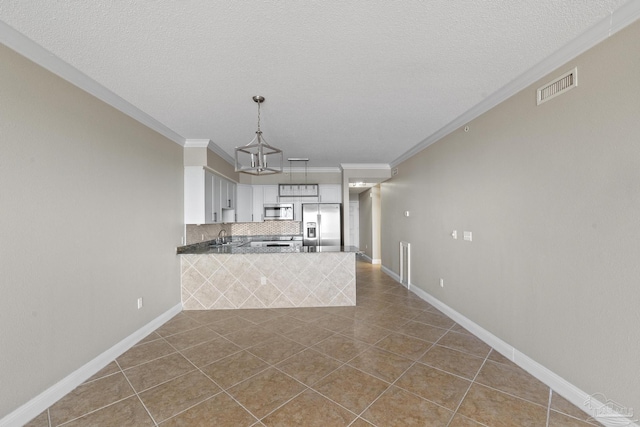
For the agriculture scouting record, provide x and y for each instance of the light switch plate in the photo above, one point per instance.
(468, 236)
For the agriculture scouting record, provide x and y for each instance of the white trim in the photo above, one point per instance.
(365, 166)
(376, 261)
(558, 384)
(618, 20)
(196, 143)
(38, 54)
(325, 169)
(35, 406)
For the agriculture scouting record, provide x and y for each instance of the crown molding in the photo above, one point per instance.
(220, 152)
(197, 143)
(41, 56)
(363, 166)
(604, 29)
(326, 169)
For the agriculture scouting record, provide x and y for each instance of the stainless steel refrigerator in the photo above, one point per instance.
(322, 224)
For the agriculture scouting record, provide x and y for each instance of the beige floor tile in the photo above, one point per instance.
(276, 350)
(266, 391)
(219, 411)
(128, 412)
(560, 404)
(211, 351)
(282, 324)
(111, 368)
(171, 398)
(139, 354)
(422, 331)
(400, 408)
(308, 335)
(305, 314)
(151, 337)
(341, 347)
(362, 331)
(434, 319)
(394, 323)
(513, 380)
(460, 329)
(466, 343)
(233, 369)
(250, 336)
(452, 361)
(199, 335)
(556, 419)
(158, 371)
(89, 397)
(180, 323)
(309, 409)
(309, 366)
(210, 316)
(360, 423)
(461, 421)
(41, 420)
(382, 364)
(499, 358)
(351, 388)
(404, 345)
(494, 408)
(334, 323)
(257, 315)
(229, 325)
(434, 385)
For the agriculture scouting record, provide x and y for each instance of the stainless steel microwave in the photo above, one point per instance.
(278, 211)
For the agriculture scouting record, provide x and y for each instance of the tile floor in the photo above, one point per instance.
(393, 360)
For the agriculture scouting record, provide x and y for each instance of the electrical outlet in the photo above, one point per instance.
(441, 282)
(263, 280)
(139, 303)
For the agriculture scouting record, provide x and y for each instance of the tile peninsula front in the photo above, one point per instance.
(267, 279)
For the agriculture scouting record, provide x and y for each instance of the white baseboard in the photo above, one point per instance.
(600, 411)
(366, 257)
(35, 406)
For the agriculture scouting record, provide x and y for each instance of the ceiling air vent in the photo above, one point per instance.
(560, 85)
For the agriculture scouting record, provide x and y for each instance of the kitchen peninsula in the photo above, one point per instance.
(241, 275)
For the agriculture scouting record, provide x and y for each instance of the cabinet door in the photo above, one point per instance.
(258, 203)
(270, 194)
(244, 203)
(330, 193)
(227, 194)
(196, 201)
(216, 183)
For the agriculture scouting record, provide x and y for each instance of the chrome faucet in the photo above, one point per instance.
(221, 235)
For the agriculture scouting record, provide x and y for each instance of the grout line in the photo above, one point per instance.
(137, 395)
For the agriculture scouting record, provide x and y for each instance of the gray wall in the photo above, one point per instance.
(552, 196)
(90, 216)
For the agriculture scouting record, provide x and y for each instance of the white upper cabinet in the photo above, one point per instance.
(258, 203)
(330, 193)
(270, 194)
(244, 203)
(208, 198)
(199, 191)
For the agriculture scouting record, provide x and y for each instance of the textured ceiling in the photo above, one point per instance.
(344, 81)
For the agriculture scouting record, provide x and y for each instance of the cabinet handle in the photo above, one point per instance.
(215, 217)
(229, 203)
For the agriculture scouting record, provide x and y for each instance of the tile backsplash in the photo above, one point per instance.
(204, 232)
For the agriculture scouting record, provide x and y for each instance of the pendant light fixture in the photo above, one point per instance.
(258, 157)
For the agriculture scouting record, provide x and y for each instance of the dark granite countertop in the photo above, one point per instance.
(239, 246)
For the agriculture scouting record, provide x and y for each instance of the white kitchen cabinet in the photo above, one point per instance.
(227, 194)
(199, 200)
(208, 198)
(244, 203)
(330, 193)
(258, 203)
(270, 194)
